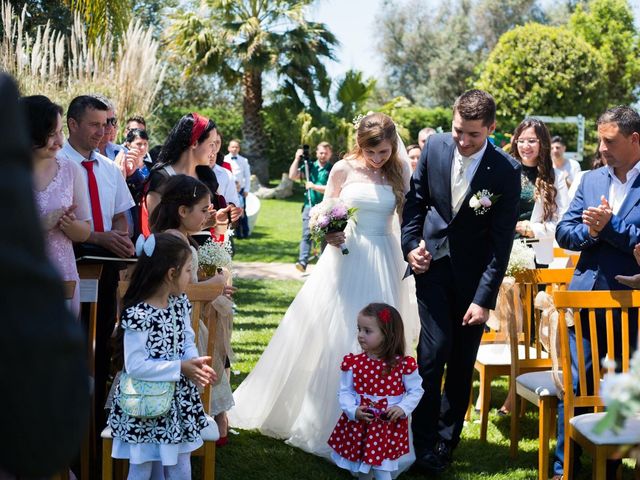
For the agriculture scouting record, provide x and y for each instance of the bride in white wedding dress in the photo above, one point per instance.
(292, 391)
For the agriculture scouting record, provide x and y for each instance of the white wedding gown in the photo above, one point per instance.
(292, 391)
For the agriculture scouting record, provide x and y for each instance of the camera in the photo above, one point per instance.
(305, 153)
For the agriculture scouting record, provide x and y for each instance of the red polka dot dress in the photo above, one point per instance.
(359, 446)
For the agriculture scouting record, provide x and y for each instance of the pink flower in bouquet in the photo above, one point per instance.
(485, 202)
(339, 211)
(323, 221)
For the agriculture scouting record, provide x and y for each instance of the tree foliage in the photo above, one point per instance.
(353, 92)
(240, 40)
(537, 69)
(103, 17)
(431, 53)
(608, 26)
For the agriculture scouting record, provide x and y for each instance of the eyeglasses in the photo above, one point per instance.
(528, 141)
(113, 121)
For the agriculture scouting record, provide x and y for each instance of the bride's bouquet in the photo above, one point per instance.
(328, 217)
(212, 256)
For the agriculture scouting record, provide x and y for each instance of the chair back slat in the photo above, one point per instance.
(611, 348)
(595, 350)
(625, 340)
(582, 374)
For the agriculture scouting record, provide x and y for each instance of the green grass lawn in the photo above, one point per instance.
(277, 233)
(250, 455)
(261, 305)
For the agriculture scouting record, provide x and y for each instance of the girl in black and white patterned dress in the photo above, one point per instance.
(153, 304)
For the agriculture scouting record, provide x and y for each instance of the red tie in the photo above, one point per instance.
(96, 211)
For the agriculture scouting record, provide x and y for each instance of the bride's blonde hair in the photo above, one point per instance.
(372, 130)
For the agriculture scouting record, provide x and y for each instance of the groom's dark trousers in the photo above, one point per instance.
(443, 340)
(471, 250)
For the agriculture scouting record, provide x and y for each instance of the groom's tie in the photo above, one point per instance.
(460, 183)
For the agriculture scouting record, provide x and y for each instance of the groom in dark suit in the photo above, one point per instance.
(458, 226)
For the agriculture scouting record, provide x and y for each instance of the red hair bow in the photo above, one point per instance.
(385, 315)
(200, 124)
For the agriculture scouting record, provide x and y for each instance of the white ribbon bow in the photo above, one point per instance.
(147, 245)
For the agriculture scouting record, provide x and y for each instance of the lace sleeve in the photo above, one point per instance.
(337, 177)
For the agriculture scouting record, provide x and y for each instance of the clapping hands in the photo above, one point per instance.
(596, 218)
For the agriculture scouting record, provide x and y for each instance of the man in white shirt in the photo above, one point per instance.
(110, 199)
(242, 173)
(566, 166)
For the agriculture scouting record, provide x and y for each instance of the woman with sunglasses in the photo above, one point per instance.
(544, 196)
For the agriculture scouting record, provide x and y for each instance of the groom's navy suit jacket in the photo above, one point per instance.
(479, 244)
(611, 253)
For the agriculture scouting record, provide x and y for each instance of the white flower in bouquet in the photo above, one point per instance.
(328, 217)
(213, 255)
(522, 258)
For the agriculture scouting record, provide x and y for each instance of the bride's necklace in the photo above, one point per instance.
(374, 172)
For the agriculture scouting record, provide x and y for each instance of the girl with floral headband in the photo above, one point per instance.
(379, 389)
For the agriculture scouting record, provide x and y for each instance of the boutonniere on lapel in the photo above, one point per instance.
(482, 201)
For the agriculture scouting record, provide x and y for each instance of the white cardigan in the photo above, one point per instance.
(545, 232)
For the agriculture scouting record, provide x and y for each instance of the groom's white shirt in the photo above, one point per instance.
(468, 174)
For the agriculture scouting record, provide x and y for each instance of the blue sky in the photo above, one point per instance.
(353, 22)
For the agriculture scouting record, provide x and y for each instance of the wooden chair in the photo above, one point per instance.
(199, 295)
(533, 377)
(515, 351)
(559, 252)
(580, 428)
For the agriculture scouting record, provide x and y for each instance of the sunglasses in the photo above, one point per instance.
(113, 121)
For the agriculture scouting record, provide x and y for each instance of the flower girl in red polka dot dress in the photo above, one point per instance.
(379, 389)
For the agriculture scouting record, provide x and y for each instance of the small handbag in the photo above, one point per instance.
(146, 398)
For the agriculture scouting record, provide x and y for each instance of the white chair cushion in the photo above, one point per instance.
(630, 434)
(500, 353)
(209, 434)
(540, 383)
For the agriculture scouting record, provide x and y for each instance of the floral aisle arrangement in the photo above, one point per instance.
(328, 217)
(522, 258)
(213, 256)
(621, 393)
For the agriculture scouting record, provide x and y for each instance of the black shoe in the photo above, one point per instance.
(444, 452)
(431, 462)
(301, 267)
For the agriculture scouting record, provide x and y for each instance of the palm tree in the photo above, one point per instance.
(243, 39)
(103, 16)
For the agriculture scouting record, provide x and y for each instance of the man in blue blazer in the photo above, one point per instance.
(458, 228)
(603, 223)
